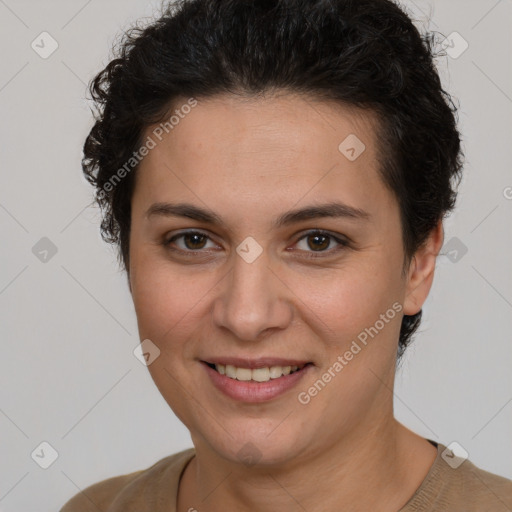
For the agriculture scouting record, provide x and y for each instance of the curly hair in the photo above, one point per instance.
(361, 53)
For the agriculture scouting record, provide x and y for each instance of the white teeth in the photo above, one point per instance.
(230, 371)
(261, 374)
(276, 372)
(258, 374)
(243, 374)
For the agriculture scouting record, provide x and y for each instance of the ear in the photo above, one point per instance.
(420, 274)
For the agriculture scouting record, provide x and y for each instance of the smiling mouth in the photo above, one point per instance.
(264, 374)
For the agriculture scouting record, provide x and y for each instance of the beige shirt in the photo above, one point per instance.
(446, 488)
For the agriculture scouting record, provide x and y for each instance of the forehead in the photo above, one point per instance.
(251, 151)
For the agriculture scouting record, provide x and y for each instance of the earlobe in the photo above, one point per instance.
(421, 271)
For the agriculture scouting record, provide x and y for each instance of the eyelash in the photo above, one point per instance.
(310, 254)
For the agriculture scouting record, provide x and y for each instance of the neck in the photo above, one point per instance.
(390, 461)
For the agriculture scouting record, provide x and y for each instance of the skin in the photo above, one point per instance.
(250, 160)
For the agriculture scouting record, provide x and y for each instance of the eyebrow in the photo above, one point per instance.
(190, 211)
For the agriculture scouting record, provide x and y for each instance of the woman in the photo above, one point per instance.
(275, 175)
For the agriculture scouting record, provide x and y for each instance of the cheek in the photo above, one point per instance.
(346, 300)
(163, 297)
(168, 307)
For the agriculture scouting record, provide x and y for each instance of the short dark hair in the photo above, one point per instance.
(360, 53)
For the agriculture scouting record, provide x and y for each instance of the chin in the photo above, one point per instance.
(253, 447)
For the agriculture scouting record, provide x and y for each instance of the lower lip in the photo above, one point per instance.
(252, 391)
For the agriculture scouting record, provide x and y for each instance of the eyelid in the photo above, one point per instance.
(168, 239)
(341, 240)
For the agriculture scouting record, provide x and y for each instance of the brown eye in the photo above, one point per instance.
(194, 241)
(321, 242)
(190, 241)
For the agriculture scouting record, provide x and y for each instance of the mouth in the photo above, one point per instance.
(256, 381)
(256, 374)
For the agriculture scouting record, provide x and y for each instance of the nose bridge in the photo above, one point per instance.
(252, 299)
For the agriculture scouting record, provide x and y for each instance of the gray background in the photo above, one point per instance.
(68, 375)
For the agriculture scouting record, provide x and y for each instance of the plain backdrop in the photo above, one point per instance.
(68, 375)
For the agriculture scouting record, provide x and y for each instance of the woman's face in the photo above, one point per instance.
(254, 286)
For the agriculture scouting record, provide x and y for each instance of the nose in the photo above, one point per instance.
(253, 300)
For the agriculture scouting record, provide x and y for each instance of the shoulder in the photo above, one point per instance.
(138, 489)
(483, 490)
(455, 484)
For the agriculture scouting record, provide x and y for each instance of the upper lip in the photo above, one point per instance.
(260, 362)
